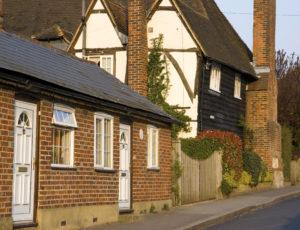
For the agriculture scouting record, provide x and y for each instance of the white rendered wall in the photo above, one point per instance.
(100, 32)
(121, 65)
(165, 3)
(98, 5)
(169, 24)
(177, 37)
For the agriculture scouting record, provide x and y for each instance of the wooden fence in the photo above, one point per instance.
(201, 179)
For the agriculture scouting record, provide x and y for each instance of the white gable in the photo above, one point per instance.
(165, 3)
(170, 25)
(99, 5)
(100, 32)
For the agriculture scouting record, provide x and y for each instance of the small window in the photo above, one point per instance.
(152, 135)
(106, 63)
(237, 86)
(64, 116)
(63, 136)
(103, 149)
(215, 78)
(23, 120)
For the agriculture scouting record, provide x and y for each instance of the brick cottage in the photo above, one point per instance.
(78, 147)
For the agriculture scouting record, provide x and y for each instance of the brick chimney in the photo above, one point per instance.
(137, 47)
(264, 33)
(261, 96)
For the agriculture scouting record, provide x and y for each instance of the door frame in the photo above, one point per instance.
(128, 128)
(33, 107)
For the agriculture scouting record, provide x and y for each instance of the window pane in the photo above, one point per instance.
(149, 146)
(64, 117)
(107, 143)
(154, 144)
(108, 63)
(98, 142)
(104, 63)
(61, 148)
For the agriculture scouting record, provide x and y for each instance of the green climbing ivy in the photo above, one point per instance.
(159, 86)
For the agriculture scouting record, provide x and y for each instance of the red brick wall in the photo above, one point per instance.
(137, 46)
(264, 33)
(59, 188)
(6, 150)
(151, 185)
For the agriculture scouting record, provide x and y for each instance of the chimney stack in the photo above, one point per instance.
(264, 34)
(261, 96)
(1, 14)
(137, 47)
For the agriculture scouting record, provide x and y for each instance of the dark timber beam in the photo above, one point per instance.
(181, 74)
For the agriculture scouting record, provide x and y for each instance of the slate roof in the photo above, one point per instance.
(214, 32)
(53, 33)
(50, 66)
(217, 37)
(29, 17)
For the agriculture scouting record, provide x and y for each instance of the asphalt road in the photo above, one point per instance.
(282, 216)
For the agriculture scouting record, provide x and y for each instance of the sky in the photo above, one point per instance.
(240, 14)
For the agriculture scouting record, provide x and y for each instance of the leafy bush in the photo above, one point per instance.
(200, 149)
(230, 179)
(268, 177)
(152, 209)
(252, 164)
(263, 172)
(231, 145)
(226, 189)
(246, 178)
(287, 148)
(166, 207)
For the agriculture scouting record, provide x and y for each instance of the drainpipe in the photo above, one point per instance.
(83, 29)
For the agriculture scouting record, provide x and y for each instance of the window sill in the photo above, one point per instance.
(63, 167)
(102, 170)
(214, 92)
(236, 97)
(24, 225)
(154, 169)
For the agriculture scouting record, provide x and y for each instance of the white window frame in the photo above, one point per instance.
(65, 109)
(112, 63)
(150, 164)
(237, 85)
(64, 126)
(215, 78)
(100, 60)
(103, 116)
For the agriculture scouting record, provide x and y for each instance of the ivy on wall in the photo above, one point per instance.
(159, 86)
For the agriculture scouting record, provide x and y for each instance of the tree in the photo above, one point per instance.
(288, 73)
(159, 85)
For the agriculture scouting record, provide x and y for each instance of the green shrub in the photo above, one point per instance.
(226, 189)
(231, 145)
(166, 207)
(252, 165)
(152, 209)
(230, 179)
(268, 177)
(287, 148)
(200, 149)
(246, 178)
(263, 172)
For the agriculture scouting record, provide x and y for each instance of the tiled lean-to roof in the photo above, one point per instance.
(60, 69)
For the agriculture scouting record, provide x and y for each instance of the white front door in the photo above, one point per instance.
(124, 173)
(23, 164)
